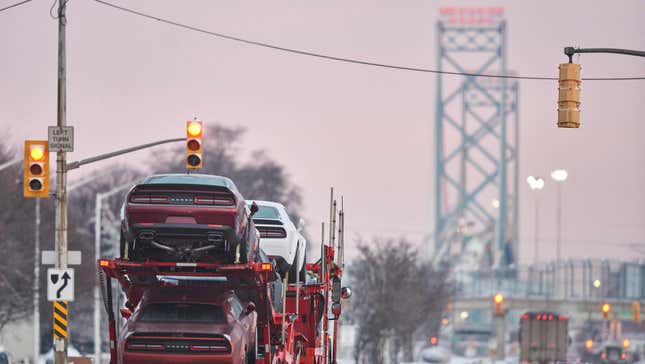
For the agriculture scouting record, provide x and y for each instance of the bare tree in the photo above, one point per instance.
(398, 298)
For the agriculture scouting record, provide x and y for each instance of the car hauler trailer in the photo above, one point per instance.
(544, 338)
(291, 330)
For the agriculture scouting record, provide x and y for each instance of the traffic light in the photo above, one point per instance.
(434, 341)
(498, 300)
(636, 311)
(606, 309)
(589, 344)
(569, 96)
(36, 169)
(194, 149)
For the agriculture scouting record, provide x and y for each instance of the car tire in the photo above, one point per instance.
(303, 271)
(253, 352)
(122, 246)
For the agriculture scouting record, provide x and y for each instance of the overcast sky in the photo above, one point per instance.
(367, 131)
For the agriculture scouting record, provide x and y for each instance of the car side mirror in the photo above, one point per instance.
(254, 208)
(250, 307)
(345, 293)
(301, 225)
(125, 313)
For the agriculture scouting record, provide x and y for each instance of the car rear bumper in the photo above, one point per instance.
(145, 358)
(183, 241)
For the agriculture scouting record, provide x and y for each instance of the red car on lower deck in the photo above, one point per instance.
(188, 325)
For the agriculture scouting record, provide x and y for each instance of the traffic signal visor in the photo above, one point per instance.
(194, 151)
(36, 169)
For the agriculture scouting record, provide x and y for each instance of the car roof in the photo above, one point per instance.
(191, 179)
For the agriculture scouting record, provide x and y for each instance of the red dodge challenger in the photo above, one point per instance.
(187, 325)
(187, 217)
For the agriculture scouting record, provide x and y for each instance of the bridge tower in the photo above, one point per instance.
(476, 141)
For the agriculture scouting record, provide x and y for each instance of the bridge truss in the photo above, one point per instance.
(476, 141)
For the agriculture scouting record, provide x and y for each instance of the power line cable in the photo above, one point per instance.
(342, 59)
(14, 5)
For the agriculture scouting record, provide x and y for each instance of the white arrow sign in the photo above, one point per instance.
(60, 284)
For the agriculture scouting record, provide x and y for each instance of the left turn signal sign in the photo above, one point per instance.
(36, 169)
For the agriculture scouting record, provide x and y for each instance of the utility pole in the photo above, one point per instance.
(36, 286)
(61, 342)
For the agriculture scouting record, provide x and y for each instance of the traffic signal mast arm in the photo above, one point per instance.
(570, 51)
(74, 165)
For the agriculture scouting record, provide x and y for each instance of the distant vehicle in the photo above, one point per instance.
(544, 337)
(187, 217)
(280, 238)
(435, 354)
(471, 341)
(613, 354)
(188, 325)
(5, 357)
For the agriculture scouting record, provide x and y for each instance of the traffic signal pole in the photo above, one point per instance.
(61, 342)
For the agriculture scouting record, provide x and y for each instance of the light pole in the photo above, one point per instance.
(559, 176)
(536, 184)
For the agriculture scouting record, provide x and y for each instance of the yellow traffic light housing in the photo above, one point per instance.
(194, 148)
(636, 311)
(36, 169)
(498, 300)
(569, 96)
(606, 309)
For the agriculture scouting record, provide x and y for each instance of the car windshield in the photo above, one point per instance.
(267, 212)
(182, 312)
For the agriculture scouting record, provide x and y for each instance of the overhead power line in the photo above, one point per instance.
(342, 59)
(14, 5)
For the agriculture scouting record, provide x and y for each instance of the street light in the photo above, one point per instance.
(559, 175)
(536, 184)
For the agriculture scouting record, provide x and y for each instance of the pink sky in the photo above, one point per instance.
(367, 131)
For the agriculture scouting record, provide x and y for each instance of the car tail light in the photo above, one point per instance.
(213, 200)
(140, 346)
(272, 232)
(207, 348)
(149, 199)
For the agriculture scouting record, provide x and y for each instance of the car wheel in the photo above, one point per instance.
(122, 246)
(303, 271)
(253, 352)
(293, 272)
(135, 250)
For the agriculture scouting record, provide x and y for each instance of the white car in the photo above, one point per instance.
(280, 238)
